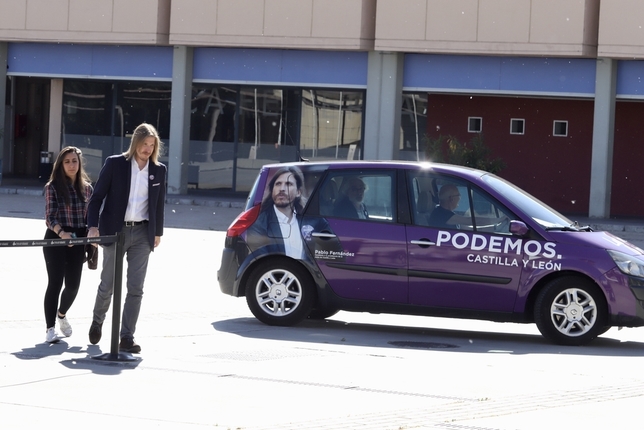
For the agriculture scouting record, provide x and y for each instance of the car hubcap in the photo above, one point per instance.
(278, 292)
(574, 312)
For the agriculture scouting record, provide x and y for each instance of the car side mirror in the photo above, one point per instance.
(519, 228)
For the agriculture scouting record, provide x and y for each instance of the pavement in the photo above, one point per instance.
(207, 363)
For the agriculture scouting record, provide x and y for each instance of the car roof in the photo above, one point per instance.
(462, 171)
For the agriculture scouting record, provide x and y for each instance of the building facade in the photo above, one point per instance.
(553, 86)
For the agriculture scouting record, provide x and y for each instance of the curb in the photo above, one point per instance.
(212, 202)
(23, 191)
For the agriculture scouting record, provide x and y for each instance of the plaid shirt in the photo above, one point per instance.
(58, 213)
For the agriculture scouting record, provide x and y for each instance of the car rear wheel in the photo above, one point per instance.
(280, 292)
(570, 311)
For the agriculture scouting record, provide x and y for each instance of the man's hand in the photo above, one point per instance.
(93, 232)
(157, 241)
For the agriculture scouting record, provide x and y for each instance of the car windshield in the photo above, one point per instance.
(547, 217)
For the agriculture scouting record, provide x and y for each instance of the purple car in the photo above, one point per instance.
(424, 239)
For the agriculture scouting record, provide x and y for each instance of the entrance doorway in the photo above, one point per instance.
(31, 127)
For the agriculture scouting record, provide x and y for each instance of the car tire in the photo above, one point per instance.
(280, 292)
(570, 311)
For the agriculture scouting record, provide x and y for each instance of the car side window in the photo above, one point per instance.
(489, 215)
(453, 207)
(449, 203)
(362, 195)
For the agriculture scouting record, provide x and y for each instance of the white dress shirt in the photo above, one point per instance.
(291, 233)
(137, 205)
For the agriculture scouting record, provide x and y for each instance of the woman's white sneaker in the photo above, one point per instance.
(64, 326)
(51, 336)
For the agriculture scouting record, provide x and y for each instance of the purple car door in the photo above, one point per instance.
(363, 253)
(461, 254)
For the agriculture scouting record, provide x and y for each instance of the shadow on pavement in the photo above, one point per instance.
(336, 332)
(85, 362)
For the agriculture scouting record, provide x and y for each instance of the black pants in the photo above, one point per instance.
(64, 264)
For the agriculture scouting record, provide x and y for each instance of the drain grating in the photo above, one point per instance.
(423, 345)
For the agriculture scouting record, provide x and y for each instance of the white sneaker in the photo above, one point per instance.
(51, 336)
(64, 326)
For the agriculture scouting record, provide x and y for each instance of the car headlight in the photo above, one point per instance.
(629, 264)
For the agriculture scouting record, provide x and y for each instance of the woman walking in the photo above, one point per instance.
(66, 197)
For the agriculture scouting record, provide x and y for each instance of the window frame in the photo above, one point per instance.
(470, 129)
(554, 128)
(323, 209)
(514, 121)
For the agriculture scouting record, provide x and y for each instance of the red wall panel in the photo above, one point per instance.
(554, 169)
(628, 160)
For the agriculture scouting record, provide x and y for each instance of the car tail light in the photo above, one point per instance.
(243, 221)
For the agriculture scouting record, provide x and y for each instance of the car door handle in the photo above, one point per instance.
(423, 242)
(324, 235)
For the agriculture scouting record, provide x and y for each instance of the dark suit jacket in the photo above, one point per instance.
(266, 232)
(440, 216)
(345, 208)
(112, 191)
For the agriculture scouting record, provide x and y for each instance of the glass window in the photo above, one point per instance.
(138, 102)
(517, 126)
(413, 125)
(86, 108)
(358, 195)
(211, 154)
(445, 202)
(264, 131)
(87, 121)
(100, 117)
(560, 128)
(424, 197)
(474, 124)
(530, 205)
(331, 124)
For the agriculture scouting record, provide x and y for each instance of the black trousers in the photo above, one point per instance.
(64, 264)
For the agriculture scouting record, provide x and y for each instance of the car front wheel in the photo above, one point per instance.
(280, 292)
(570, 311)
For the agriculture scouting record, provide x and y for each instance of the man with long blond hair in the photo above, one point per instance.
(129, 198)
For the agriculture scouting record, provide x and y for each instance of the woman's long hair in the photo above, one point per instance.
(60, 181)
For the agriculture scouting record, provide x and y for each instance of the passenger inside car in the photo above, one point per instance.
(443, 215)
(350, 204)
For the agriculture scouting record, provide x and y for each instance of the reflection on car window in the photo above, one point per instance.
(531, 206)
(358, 195)
(489, 216)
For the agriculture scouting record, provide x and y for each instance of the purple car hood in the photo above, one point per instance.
(596, 239)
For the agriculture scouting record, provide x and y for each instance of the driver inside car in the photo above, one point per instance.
(443, 215)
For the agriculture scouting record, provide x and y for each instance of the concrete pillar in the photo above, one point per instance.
(601, 169)
(180, 120)
(4, 48)
(383, 105)
(55, 116)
